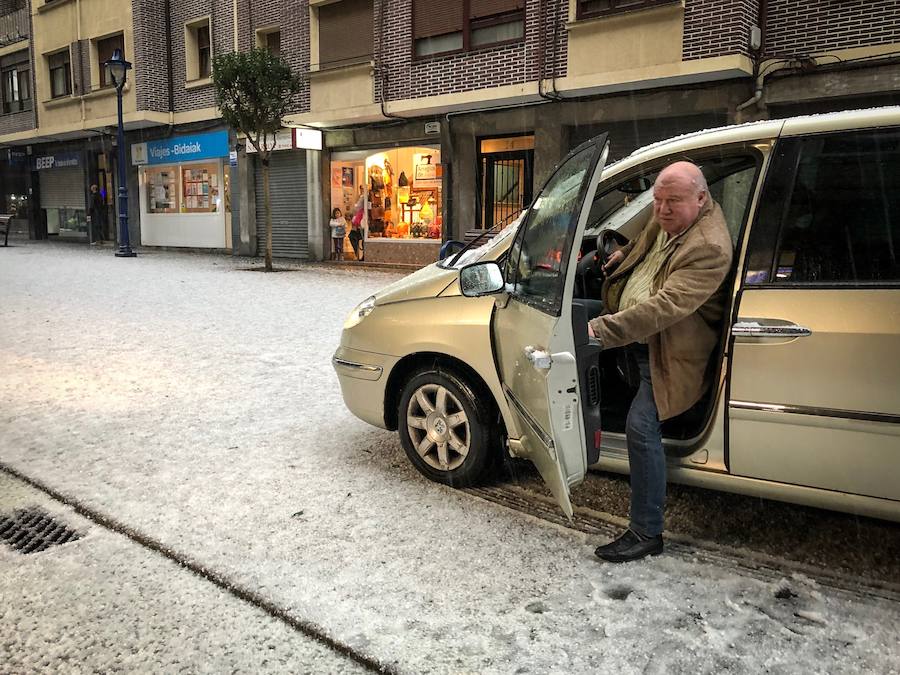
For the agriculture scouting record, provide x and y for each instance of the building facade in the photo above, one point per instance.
(438, 118)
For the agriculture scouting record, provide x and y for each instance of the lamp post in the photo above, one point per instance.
(117, 68)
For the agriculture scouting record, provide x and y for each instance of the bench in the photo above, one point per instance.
(5, 223)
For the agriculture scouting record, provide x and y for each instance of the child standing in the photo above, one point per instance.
(338, 230)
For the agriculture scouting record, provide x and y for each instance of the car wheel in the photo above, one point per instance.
(445, 428)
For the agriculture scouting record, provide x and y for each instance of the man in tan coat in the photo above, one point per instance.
(664, 298)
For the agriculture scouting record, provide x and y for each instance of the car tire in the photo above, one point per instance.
(445, 427)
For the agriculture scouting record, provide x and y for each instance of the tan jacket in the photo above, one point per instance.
(681, 321)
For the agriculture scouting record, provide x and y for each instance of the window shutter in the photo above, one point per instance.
(436, 17)
(346, 32)
(481, 8)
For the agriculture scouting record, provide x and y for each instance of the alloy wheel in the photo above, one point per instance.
(438, 427)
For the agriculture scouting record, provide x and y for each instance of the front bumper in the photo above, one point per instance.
(362, 376)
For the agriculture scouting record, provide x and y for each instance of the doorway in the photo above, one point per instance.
(505, 178)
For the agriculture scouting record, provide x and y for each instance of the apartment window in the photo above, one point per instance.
(588, 9)
(204, 53)
(15, 80)
(105, 49)
(60, 74)
(346, 33)
(442, 27)
(197, 50)
(271, 41)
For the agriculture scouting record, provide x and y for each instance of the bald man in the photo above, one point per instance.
(664, 298)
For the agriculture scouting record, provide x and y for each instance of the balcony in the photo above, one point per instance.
(14, 27)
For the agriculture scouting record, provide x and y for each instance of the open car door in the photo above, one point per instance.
(533, 335)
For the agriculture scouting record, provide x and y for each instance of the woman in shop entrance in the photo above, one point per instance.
(338, 230)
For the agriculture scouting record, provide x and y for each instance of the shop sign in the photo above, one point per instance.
(60, 160)
(284, 140)
(16, 157)
(432, 127)
(232, 158)
(181, 149)
(308, 139)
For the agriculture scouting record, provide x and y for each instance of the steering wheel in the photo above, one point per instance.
(590, 272)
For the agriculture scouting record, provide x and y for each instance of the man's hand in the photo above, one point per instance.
(613, 261)
(590, 330)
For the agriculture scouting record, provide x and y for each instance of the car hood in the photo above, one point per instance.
(427, 282)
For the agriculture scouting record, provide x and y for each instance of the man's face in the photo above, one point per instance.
(676, 203)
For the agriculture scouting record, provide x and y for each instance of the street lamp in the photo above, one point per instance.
(117, 68)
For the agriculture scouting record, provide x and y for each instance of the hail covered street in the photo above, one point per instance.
(179, 414)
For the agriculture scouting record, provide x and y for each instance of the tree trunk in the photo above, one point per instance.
(268, 203)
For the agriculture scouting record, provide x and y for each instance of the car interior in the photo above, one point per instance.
(618, 214)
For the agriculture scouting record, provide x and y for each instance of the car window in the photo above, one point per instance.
(535, 270)
(730, 179)
(838, 219)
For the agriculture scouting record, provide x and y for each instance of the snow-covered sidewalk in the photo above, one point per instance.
(104, 604)
(196, 402)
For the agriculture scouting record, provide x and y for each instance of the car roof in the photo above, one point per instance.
(761, 131)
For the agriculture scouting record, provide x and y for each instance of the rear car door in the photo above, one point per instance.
(532, 329)
(816, 345)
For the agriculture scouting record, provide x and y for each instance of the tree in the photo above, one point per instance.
(253, 92)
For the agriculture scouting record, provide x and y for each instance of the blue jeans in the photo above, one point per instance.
(646, 456)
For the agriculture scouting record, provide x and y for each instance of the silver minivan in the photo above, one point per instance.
(487, 352)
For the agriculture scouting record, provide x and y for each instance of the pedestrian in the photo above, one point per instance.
(338, 229)
(356, 232)
(97, 213)
(664, 298)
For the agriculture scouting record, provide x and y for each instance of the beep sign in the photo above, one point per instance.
(60, 160)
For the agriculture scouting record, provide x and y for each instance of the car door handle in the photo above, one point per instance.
(540, 358)
(755, 329)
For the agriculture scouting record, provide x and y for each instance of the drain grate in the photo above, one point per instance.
(34, 530)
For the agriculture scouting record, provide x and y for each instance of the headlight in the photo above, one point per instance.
(360, 312)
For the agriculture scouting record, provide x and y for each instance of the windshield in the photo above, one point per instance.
(500, 240)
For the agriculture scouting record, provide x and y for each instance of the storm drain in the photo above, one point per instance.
(34, 530)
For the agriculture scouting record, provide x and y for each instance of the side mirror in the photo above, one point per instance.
(481, 278)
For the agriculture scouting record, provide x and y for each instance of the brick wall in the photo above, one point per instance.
(150, 55)
(221, 14)
(292, 19)
(718, 27)
(803, 28)
(481, 69)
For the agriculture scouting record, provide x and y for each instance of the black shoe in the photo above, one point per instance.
(630, 547)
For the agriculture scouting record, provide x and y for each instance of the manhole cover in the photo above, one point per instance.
(34, 530)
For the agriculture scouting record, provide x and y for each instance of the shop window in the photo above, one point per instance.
(269, 39)
(442, 27)
(392, 194)
(105, 49)
(16, 88)
(346, 33)
(162, 189)
(588, 9)
(60, 74)
(197, 50)
(200, 188)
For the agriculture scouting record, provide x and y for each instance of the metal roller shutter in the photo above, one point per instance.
(287, 184)
(436, 17)
(62, 188)
(346, 32)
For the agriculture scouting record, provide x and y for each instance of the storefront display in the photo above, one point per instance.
(401, 189)
(184, 195)
(162, 191)
(392, 196)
